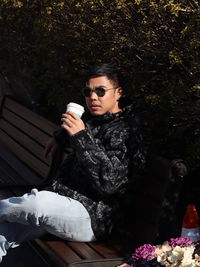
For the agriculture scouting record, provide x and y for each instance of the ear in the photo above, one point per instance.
(119, 92)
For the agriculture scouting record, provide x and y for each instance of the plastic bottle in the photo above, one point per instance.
(190, 227)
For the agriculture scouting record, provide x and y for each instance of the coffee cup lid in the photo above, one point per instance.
(75, 105)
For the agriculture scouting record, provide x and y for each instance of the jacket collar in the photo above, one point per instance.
(127, 110)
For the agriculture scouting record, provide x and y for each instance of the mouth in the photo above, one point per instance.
(94, 107)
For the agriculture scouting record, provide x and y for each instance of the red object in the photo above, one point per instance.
(190, 227)
(191, 219)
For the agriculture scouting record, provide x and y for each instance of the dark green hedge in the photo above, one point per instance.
(48, 44)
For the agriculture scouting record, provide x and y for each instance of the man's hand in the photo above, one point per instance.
(72, 123)
(50, 147)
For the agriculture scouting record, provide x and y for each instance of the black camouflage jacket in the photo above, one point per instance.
(107, 156)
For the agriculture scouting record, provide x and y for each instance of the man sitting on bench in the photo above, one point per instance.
(83, 200)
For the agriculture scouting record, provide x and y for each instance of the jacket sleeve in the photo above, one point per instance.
(105, 165)
(61, 137)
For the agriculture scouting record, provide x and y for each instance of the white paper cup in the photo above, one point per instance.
(76, 108)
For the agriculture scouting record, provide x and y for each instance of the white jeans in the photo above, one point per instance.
(38, 212)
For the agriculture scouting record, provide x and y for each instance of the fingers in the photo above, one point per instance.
(72, 123)
(69, 118)
(50, 147)
(49, 152)
(70, 115)
(46, 152)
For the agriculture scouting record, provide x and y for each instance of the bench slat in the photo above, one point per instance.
(50, 258)
(104, 250)
(18, 168)
(85, 251)
(25, 113)
(26, 127)
(8, 176)
(63, 251)
(25, 141)
(5, 193)
(35, 164)
(98, 263)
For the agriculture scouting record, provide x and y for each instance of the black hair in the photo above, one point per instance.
(105, 69)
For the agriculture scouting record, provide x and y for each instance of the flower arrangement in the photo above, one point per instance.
(176, 252)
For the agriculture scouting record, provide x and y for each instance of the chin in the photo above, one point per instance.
(96, 113)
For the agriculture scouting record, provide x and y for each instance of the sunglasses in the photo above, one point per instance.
(99, 91)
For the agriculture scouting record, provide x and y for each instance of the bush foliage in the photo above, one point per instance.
(48, 43)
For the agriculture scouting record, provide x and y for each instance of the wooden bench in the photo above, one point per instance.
(23, 135)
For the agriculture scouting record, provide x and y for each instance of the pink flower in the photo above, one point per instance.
(179, 241)
(144, 254)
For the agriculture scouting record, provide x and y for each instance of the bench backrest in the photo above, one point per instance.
(25, 134)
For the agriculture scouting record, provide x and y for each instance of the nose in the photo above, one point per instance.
(93, 95)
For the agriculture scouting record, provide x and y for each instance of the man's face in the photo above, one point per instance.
(98, 105)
